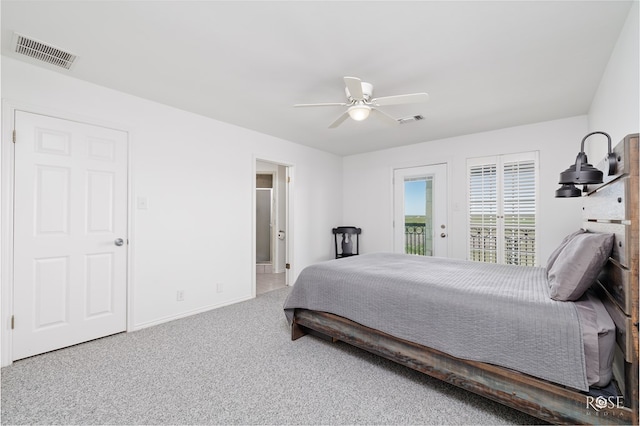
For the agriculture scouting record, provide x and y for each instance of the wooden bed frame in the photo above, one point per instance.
(609, 207)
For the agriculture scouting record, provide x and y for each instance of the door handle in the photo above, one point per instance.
(443, 235)
(119, 242)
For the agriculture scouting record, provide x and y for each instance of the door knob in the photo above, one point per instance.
(119, 241)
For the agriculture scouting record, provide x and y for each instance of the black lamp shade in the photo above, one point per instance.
(568, 190)
(586, 175)
(583, 173)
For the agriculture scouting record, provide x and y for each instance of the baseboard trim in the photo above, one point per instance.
(200, 310)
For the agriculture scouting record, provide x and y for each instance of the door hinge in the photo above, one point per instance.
(287, 266)
(288, 179)
(13, 322)
(13, 137)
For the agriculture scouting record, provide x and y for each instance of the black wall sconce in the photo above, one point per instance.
(583, 173)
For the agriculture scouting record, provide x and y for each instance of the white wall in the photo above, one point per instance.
(198, 176)
(368, 191)
(616, 106)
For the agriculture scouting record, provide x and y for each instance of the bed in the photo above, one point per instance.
(564, 355)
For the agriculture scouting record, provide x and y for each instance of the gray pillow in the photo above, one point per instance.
(577, 266)
(563, 243)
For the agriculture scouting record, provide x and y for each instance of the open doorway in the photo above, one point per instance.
(271, 226)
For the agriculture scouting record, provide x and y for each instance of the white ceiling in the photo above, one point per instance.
(486, 65)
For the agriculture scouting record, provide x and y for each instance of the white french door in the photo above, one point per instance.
(70, 233)
(502, 208)
(420, 210)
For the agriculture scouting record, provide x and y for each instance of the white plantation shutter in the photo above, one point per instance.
(519, 212)
(483, 211)
(502, 208)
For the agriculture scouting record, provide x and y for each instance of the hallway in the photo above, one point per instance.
(269, 282)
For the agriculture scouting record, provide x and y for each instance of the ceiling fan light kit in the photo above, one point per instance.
(359, 112)
(360, 103)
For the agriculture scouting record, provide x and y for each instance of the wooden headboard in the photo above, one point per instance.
(612, 207)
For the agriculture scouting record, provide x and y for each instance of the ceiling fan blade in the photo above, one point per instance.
(385, 117)
(322, 104)
(339, 120)
(355, 87)
(412, 98)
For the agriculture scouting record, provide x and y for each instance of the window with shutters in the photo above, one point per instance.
(502, 193)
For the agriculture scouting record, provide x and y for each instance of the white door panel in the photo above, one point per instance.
(430, 236)
(70, 207)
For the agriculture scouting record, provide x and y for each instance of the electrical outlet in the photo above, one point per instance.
(143, 203)
(219, 288)
(180, 296)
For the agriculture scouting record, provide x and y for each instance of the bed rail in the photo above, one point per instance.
(539, 398)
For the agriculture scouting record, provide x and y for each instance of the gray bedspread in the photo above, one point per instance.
(497, 314)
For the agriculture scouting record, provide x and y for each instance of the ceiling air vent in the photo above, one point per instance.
(410, 119)
(42, 51)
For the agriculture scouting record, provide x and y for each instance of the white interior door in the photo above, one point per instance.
(420, 210)
(70, 233)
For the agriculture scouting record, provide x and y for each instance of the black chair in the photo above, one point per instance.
(346, 233)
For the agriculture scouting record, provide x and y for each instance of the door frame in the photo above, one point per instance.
(288, 226)
(7, 185)
(447, 202)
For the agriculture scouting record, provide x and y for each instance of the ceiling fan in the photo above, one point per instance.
(360, 103)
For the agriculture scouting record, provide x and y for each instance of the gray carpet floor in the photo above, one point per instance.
(233, 365)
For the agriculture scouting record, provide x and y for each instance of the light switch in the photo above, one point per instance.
(142, 203)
